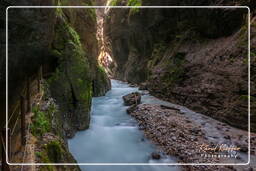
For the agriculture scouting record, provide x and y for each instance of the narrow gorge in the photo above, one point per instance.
(143, 88)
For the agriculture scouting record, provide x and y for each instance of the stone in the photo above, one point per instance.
(155, 156)
(132, 98)
(174, 138)
(131, 108)
(227, 137)
(195, 131)
(143, 86)
(244, 149)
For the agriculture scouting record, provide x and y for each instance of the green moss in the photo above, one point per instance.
(63, 2)
(56, 53)
(87, 94)
(40, 122)
(101, 82)
(134, 3)
(243, 36)
(59, 12)
(253, 54)
(75, 38)
(113, 2)
(90, 11)
(157, 54)
(54, 151)
(42, 155)
(246, 97)
(71, 83)
(176, 70)
(101, 69)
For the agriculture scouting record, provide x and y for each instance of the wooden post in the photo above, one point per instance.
(38, 84)
(39, 78)
(41, 72)
(5, 166)
(28, 96)
(23, 112)
(9, 144)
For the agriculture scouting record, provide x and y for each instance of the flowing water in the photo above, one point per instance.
(113, 137)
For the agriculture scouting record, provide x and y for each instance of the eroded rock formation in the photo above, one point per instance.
(194, 57)
(63, 43)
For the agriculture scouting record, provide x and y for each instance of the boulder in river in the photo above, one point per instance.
(132, 98)
(155, 156)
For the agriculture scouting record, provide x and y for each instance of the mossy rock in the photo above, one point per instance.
(40, 121)
(101, 83)
(71, 83)
(54, 151)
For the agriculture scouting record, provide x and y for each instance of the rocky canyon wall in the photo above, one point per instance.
(63, 43)
(194, 57)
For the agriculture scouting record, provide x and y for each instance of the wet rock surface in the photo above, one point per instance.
(132, 99)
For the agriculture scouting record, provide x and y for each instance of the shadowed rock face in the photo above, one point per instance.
(64, 43)
(193, 57)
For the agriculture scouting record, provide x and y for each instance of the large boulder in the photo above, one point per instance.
(132, 98)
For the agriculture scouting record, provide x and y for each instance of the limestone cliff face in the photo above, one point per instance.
(63, 42)
(74, 81)
(193, 57)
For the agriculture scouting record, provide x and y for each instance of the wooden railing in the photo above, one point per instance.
(17, 120)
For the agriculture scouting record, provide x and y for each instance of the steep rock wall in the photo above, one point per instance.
(63, 42)
(193, 57)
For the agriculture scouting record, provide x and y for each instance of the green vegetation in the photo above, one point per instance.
(100, 82)
(59, 11)
(253, 54)
(101, 69)
(71, 83)
(113, 2)
(243, 37)
(134, 3)
(176, 71)
(157, 54)
(92, 13)
(74, 36)
(41, 122)
(45, 159)
(54, 151)
(246, 97)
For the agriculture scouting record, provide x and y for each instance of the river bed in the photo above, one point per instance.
(114, 137)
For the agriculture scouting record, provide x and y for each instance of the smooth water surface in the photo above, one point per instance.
(113, 137)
